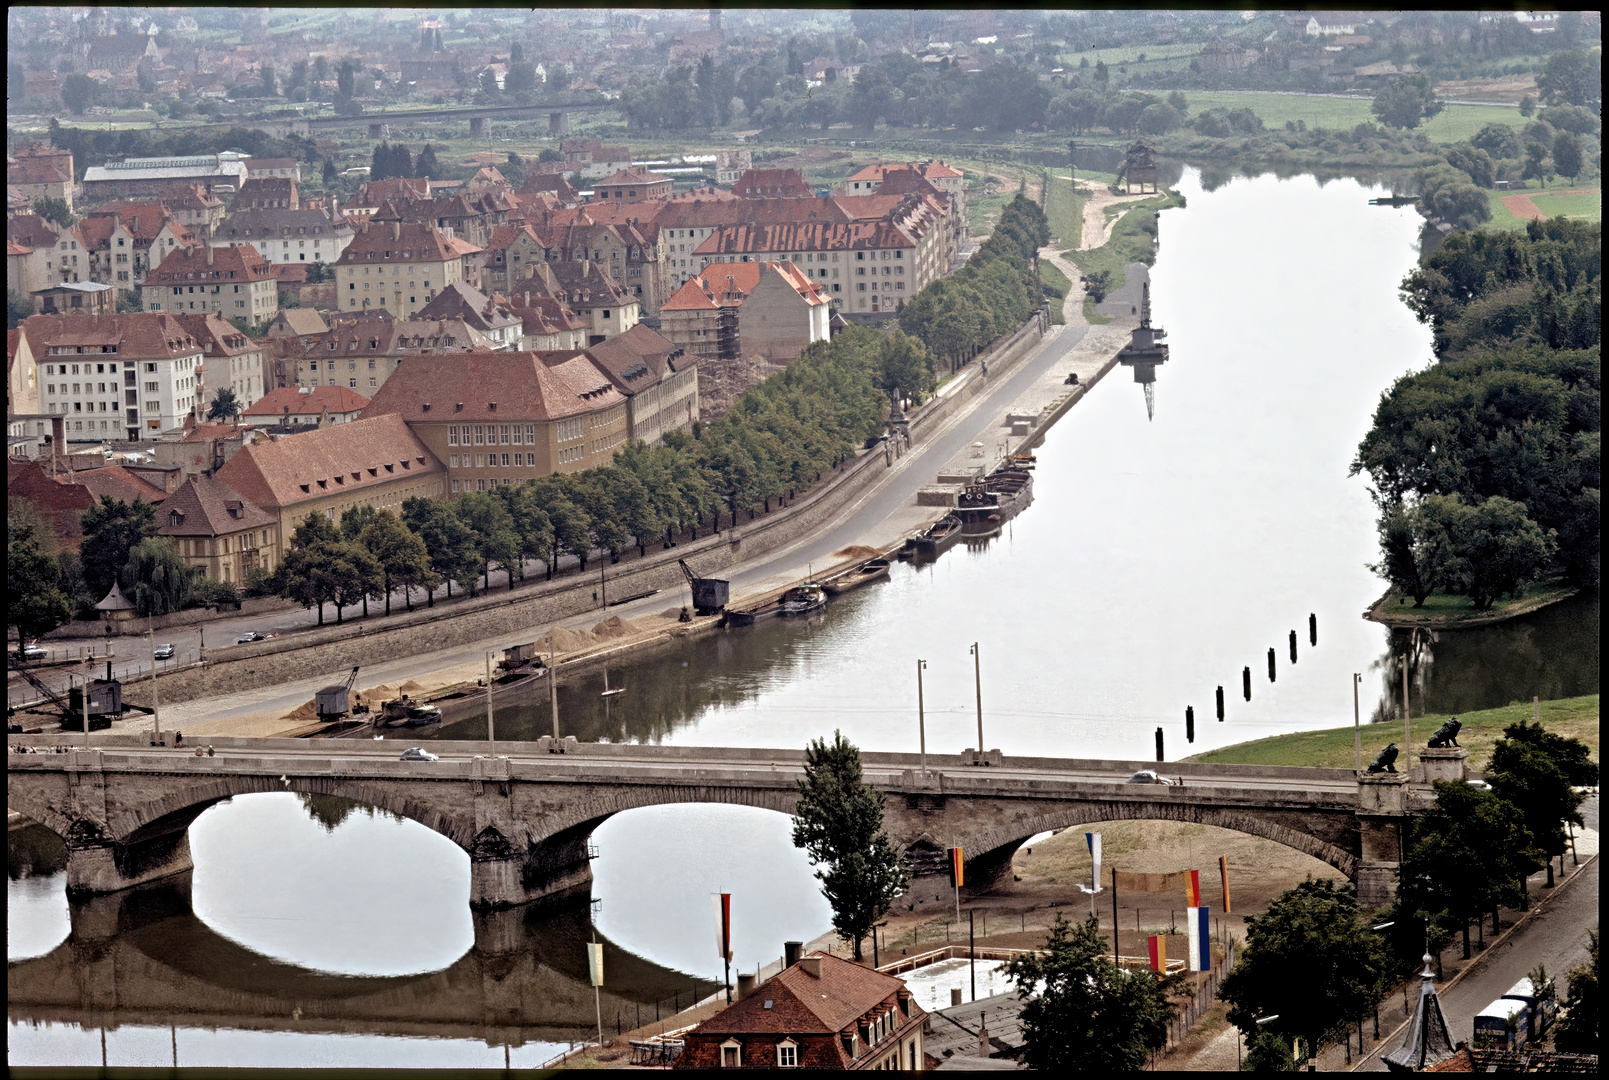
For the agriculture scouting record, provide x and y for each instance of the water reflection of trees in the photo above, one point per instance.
(1552, 653)
(330, 810)
(34, 851)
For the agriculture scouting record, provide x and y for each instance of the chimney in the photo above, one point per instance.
(811, 965)
(790, 952)
(745, 985)
(209, 254)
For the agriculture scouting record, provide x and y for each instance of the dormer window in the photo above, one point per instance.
(787, 1054)
(731, 1054)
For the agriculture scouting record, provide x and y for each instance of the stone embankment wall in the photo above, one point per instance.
(518, 614)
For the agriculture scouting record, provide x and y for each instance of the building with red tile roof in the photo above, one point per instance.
(235, 282)
(117, 482)
(41, 178)
(374, 461)
(233, 360)
(821, 1013)
(302, 406)
(772, 183)
(658, 377)
(781, 311)
(398, 266)
(126, 240)
(218, 531)
(61, 505)
(500, 418)
(632, 185)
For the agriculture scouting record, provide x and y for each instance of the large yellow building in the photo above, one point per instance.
(395, 265)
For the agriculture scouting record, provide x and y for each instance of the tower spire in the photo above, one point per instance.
(1428, 1042)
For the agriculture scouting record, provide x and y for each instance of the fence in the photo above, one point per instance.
(1206, 995)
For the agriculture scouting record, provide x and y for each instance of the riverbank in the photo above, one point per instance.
(1332, 748)
(1441, 612)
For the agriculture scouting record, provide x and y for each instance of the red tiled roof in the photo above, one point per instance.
(632, 176)
(31, 231)
(726, 284)
(349, 458)
(520, 385)
(119, 483)
(238, 262)
(398, 241)
(305, 400)
(137, 335)
(206, 506)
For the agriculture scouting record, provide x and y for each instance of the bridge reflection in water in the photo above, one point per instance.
(141, 957)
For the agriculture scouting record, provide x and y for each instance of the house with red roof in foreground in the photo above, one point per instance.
(821, 1013)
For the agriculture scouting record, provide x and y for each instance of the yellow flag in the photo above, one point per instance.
(595, 962)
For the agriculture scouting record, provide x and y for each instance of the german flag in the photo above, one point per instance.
(957, 868)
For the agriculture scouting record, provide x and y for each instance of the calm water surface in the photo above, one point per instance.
(1159, 558)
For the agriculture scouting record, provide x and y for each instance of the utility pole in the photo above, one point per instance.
(156, 715)
(1357, 725)
(977, 679)
(921, 716)
(491, 735)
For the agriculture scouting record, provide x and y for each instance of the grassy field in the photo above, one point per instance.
(1064, 210)
(1453, 124)
(1058, 281)
(1584, 204)
(1442, 610)
(1333, 748)
(1129, 243)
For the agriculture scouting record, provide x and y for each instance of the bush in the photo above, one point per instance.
(220, 595)
(259, 582)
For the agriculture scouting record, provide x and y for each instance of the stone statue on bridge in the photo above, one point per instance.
(1446, 735)
(1386, 762)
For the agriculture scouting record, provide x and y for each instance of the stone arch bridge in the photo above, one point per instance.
(524, 812)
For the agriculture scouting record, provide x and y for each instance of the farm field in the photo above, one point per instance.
(1453, 124)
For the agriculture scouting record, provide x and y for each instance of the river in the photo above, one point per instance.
(1159, 559)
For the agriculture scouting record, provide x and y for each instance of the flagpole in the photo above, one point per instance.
(1115, 953)
(597, 999)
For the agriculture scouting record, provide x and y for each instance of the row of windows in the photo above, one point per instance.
(571, 453)
(479, 485)
(351, 365)
(899, 286)
(491, 461)
(61, 369)
(607, 443)
(568, 430)
(491, 435)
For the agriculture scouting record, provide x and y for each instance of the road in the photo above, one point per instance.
(895, 491)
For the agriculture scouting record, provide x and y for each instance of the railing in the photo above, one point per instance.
(1205, 997)
(991, 952)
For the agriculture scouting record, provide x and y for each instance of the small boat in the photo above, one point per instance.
(750, 616)
(867, 572)
(406, 712)
(936, 540)
(803, 599)
(607, 692)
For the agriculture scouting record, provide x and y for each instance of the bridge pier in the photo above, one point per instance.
(504, 874)
(96, 864)
(1382, 817)
(477, 126)
(558, 123)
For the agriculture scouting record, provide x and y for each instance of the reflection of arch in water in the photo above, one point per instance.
(142, 956)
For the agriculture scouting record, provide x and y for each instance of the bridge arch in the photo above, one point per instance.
(991, 841)
(180, 806)
(38, 810)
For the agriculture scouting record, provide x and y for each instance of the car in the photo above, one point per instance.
(250, 636)
(164, 652)
(414, 753)
(1151, 776)
(33, 652)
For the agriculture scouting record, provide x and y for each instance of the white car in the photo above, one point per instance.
(33, 652)
(164, 652)
(1150, 776)
(414, 753)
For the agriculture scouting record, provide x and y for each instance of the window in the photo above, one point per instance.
(505, 461)
(452, 460)
(787, 1054)
(731, 1054)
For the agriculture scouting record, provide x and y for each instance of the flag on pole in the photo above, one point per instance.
(1223, 872)
(723, 924)
(1192, 888)
(1159, 953)
(957, 868)
(1093, 839)
(1200, 939)
(595, 962)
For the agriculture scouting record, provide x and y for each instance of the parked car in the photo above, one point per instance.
(414, 753)
(250, 636)
(164, 652)
(33, 652)
(1151, 776)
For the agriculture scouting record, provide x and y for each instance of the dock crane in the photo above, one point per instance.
(710, 595)
(335, 701)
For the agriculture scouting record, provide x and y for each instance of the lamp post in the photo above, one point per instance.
(921, 716)
(977, 679)
(1357, 728)
(1240, 1043)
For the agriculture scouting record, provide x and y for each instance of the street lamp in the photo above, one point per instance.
(1241, 1042)
(921, 716)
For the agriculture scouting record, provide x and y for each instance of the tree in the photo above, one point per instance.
(400, 554)
(559, 78)
(1081, 1012)
(35, 601)
(1528, 106)
(18, 308)
(270, 81)
(1567, 159)
(1465, 857)
(225, 406)
(448, 541)
(53, 210)
(839, 823)
(1406, 101)
(1269, 1053)
(345, 81)
(1407, 564)
(111, 529)
(493, 527)
(1577, 1032)
(1311, 961)
(1537, 771)
(79, 92)
(1571, 77)
(426, 166)
(521, 78)
(329, 172)
(156, 579)
(1484, 551)
(1160, 119)
(1498, 140)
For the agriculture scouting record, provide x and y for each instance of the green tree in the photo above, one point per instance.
(1407, 564)
(270, 81)
(427, 166)
(111, 529)
(1465, 856)
(1498, 140)
(1572, 77)
(1578, 1029)
(156, 579)
(225, 406)
(1567, 158)
(839, 822)
(1160, 119)
(35, 601)
(1528, 105)
(1406, 101)
(18, 308)
(1269, 1053)
(53, 210)
(1484, 551)
(493, 527)
(400, 554)
(79, 92)
(1311, 961)
(1536, 771)
(1081, 1012)
(448, 541)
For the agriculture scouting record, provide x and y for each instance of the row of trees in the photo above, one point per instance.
(997, 290)
(390, 161)
(1486, 466)
(778, 439)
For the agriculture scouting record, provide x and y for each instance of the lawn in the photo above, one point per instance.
(1064, 210)
(1445, 611)
(1058, 281)
(1453, 124)
(1585, 204)
(1333, 748)
(1129, 243)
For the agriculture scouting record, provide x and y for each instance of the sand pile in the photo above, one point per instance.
(564, 640)
(857, 551)
(613, 628)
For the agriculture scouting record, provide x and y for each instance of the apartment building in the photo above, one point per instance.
(395, 265)
(235, 282)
